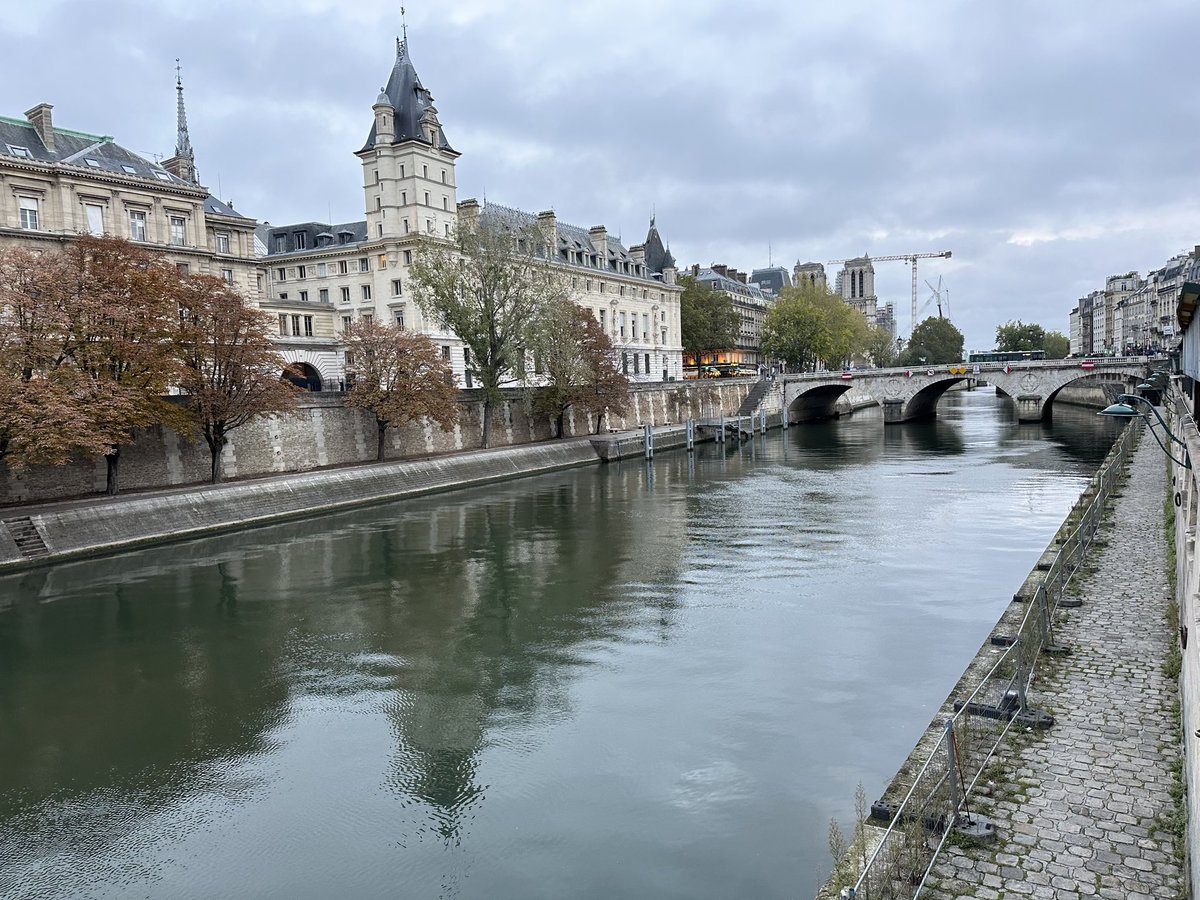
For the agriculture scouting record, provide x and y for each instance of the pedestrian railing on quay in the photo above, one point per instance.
(937, 804)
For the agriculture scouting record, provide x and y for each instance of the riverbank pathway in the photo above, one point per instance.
(1082, 810)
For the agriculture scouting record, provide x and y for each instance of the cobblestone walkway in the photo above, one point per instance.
(1077, 808)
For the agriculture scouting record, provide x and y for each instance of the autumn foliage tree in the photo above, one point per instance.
(398, 376)
(576, 360)
(231, 372)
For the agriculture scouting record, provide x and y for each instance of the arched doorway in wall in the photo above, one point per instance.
(303, 376)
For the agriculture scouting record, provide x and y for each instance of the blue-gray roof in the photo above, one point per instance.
(772, 279)
(317, 236)
(409, 100)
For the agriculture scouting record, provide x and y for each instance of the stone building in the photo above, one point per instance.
(856, 285)
(336, 274)
(771, 280)
(751, 305)
(60, 183)
(811, 272)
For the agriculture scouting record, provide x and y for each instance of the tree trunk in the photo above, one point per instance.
(111, 461)
(216, 441)
(487, 422)
(381, 428)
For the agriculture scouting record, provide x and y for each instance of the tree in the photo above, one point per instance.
(120, 311)
(486, 284)
(808, 325)
(707, 318)
(1019, 336)
(231, 370)
(45, 416)
(933, 342)
(576, 358)
(881, 347)
(1057, 345)
(400, 377)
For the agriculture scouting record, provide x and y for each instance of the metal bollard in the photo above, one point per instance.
(691, 435)
(649, 439)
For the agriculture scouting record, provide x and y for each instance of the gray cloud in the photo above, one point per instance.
(1046, 145)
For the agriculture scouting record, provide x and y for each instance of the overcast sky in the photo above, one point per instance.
(1046, 144)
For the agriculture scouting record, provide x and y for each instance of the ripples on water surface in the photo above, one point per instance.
(623, 681)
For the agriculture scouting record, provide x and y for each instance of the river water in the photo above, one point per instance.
(621, 681)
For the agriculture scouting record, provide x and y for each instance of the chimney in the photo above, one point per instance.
(740, 276)
(695, 270)
(468, 214)
(42, 123)
(548, 226)
(721, 269)
(598, 235)
(638, 254)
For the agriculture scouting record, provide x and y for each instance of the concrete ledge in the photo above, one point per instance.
(94, 527)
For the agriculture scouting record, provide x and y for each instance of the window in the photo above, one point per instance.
(322, 270)
(22, 152)
(345, 295)
(281, 274)
(222, 241)
(646, 328)
(424, 171)
(128, 170)
(283, 324)
(137, 225)
(399, 314)
(406, 224)
(602, 319)
(304, 296)
(445, 351)
(366, 292)
(624, 363)
(296, 325)
(622, 291)
(227, 274)
(589, 284)
(346, 323)
(283, 295)
(162, 176)
(323, 296)
(408, 257)
(364, 265)
(368, 318)
(92, 163)
(401, 170)
(622, 326)
(404, 198)
(429, 225)
(647, 369)
(447, 229)
(427, 198)
(177, 224)
(602, 287)
(343, 266)
(258, 280)
(301, 239)
(382, 260)
(308, 326)
(636, 365)
(95, 218)
(375, 174)
(181, 268)
(396, 287)
(301, 272)
(280, 243)
(445, 202)
(379, 203)
(379, 229)
(443, 176)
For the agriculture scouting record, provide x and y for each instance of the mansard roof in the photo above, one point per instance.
(772, 279)
(574, 244)
(317, 236)
(409, 99)
(96, 153)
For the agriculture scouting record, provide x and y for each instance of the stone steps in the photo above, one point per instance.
(26, 536)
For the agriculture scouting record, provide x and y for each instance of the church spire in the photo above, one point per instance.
(183, 163)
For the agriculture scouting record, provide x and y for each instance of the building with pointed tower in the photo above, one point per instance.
(59, 184)
(358, 270)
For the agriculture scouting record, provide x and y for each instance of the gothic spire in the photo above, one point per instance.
(183, 143)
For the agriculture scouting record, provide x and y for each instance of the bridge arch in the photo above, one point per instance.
(815, 401)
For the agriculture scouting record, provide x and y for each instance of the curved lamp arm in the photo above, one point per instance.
(1126, 408)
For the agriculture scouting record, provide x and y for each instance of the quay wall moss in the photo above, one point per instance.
(324, 432)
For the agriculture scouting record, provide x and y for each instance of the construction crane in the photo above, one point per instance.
(904, 257)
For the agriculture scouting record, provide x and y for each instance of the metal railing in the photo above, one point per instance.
(937, 802)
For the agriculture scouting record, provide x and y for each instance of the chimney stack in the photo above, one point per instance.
(42, 123)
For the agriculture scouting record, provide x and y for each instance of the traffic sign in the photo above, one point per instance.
(846, 376)
(1088, 364)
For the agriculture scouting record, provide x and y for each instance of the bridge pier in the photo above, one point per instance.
(1030, 407)
(893, 412)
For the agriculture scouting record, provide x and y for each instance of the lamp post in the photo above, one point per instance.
(1126, 408)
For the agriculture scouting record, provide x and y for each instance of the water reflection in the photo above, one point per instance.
(629, 680)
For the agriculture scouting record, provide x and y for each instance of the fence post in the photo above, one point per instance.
(763, 416)
(721, 428)
(952, 774)
(691, 435)
(649, 440)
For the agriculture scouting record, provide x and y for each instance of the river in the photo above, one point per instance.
(622, 681)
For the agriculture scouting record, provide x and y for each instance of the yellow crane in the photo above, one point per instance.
(903, 257)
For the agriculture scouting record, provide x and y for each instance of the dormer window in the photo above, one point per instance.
(128, 170)
(162, 176)
(22, 152)
(92, 163)
(301, 239)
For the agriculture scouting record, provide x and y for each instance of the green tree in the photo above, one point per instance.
(575, 357)
(881, 347)
(400, 377)
(1057, 345)
(486, 284)
(1019, 336)
(933, 342)
(808, 325)
(707, 318)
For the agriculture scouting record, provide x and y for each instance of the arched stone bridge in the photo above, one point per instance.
(907, 394)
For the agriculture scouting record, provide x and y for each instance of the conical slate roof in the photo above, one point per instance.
(409, 100)
(658, 257)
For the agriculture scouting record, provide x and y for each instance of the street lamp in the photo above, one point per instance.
(1125, 408)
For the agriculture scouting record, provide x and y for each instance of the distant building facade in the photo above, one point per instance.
(751, 305)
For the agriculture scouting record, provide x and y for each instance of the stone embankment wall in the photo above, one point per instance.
(1096, 395)
(325, 432)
